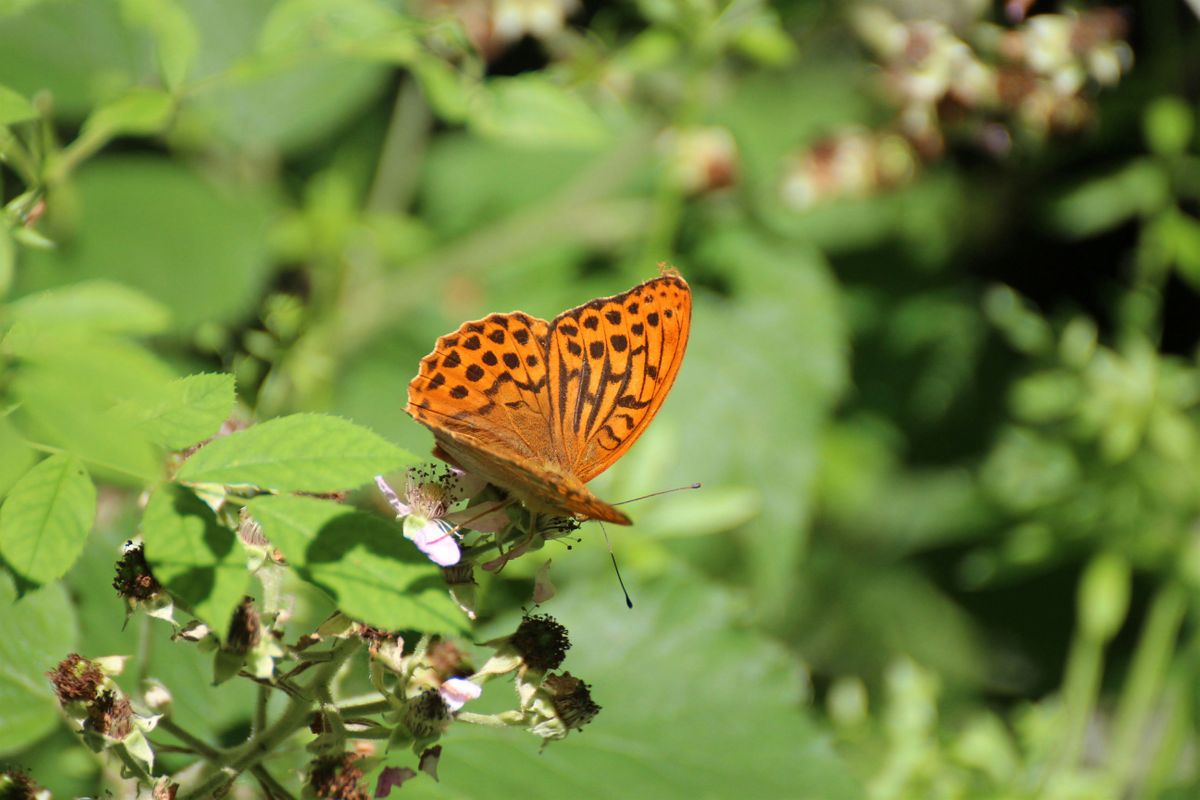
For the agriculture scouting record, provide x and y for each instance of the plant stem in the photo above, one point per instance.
(264, 742)
(271, 787)
(1085, 665)
(1146, 676)
(398, 171)
(203, 748)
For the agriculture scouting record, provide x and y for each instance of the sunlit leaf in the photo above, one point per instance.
(302, 452)
(192, 555)
(363, 562)
(187, 410)
(98, 305)
(46, 518)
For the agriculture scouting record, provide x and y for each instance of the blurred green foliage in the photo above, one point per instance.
(945, 414)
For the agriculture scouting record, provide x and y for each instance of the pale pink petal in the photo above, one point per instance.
(486, 517)
(434, 540)
(457, 691)
(402, 510)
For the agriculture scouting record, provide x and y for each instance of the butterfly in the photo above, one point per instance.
(540, 408)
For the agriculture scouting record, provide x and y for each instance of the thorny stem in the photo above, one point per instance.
(265, 742)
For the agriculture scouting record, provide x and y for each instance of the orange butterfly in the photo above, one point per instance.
(540, 408)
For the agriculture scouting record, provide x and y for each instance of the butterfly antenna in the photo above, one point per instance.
(616, 569)
(656, 494)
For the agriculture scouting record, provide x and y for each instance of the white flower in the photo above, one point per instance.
(457, 691)
(425, 509)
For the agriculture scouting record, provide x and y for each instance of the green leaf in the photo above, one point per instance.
(188, 410)
(55, 408)
(98, 305)
(305, 25)
(138, 112)
(46, 519)
(299, 453)
(36, 633)
(531, 110)
(199, 560)
(444, 86)
(195, 246)
(8, 260)
(14, 107)
(365, 564)
(693, 705)
(175, 37)
(1087, 209)
(18, 458)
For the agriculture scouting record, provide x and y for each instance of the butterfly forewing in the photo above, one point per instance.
(612, 362)
(487, 381)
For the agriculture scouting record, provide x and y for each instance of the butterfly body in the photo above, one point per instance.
(540, 408)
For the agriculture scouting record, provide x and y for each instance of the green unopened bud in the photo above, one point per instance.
(1169, 126)
(1104, 596)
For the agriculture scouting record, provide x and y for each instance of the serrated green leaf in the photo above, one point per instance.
(531, 110)
(299, 453)
(46, 518)
(36, 633)
(14, 107)
(199, 560)
(98, 305)
(187, 411)
(365, 564)
(55, 408)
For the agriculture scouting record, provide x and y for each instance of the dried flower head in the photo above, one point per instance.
(337, 777)
(572, 699)
(134, 580)
(427, 716)
(76, 679)
(16, 785)
(541, 641)
(111, 715)
(245, 629)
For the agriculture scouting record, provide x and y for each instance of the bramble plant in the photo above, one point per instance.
(942, 390)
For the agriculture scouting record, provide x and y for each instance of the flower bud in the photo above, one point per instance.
(1103, 597)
